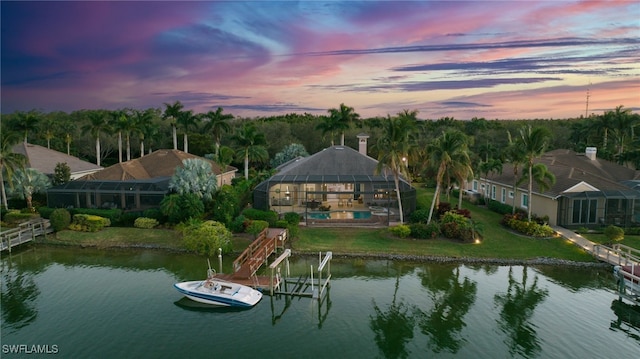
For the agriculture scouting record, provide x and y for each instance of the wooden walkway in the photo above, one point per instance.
(257, 254)
(25, 232)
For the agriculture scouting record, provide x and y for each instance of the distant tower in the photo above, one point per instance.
(362, 143)
(586, 111)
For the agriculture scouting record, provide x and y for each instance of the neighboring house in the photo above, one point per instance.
(45, 160)
(337, 184)
(589, 192)
(137, 184)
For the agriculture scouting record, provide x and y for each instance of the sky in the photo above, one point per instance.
(462, 59)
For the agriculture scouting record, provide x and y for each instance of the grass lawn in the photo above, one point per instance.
(121, 236)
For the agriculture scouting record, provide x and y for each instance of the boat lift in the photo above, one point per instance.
(302, 286)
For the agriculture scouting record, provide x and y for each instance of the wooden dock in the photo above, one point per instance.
(25, 232)
(257, 254)
(618, 254)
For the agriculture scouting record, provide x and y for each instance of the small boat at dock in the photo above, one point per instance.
(629, 276)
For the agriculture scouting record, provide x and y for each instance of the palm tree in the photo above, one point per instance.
(187, 120)
(171, 113)
(447, 151)
(29, 181)
(515, 155)
(622, 129)
(343, 117)
(393, 149)
(534, 142)
(251, 146)
(9, 161)
(26, 122)
(217, 125)
(144, 126)
(541, 176)
(120, 122)
(328, 125)
(68, 128)
(462, 172)
(97, 124)
(48, 127)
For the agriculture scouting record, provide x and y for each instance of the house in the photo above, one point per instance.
(134, 185)
(335, 185)
(589, 192)
(45, 160)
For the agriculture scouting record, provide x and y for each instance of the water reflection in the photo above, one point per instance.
(393, 327)
(452, 298)
(18, 299)
(518, 306)
(628, 319)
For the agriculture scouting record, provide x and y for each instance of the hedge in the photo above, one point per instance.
(88, 223)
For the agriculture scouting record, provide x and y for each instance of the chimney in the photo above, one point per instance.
(362, 143)
(590, 152)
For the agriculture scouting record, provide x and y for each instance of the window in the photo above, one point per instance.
(524, 199)
(493, 192)
(511, 194)
(475, 186)
(503, 196)
(584, 211)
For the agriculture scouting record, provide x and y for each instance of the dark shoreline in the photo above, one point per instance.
(376, 256)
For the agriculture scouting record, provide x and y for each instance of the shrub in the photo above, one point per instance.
(454, 225)
(143, 222)
(256, 226)
(154, 213)
(292, 218)
(205, 238)
(419, 216)
(443, 208)
(45, 212)
(60, 219)
(270, 216)
(238, 224)
(500, 208)
(128, 219)
(424, 231)
(400, 230)
(281, 223)
(112, 214)
(16, 217)
(180, 207)
(88, 223)
(614, 233)
(529, 228)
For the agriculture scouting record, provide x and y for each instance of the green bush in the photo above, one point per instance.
(529, 228)
(419, 216)
(456, 226)
(143, 222)
(205, 238)
(281, 223)
(45, 212)
(501, 208)
(60, 219)
(401, 230)
(112, 214)
(292, 218)
(424, 231)
(270, 216)
(180, 207)
(256, 226)
(88, 223)
(16, 217)
(614, 233)
(154, 213)
(238, 225)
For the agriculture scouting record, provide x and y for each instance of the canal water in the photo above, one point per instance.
(87, 303)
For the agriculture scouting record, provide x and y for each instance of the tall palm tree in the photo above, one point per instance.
(544, 178)
(187, 120)
(29, 181)
(171, 113)
(217, 125)
(48, 127)
(251, 146)
(447, 151)
(514, 154)
(328, 124)
(622, 129)
(343, 116)
(144, 126)
(26, 122)
(119, 122)
(68, 128)
(9, 161)
(98, 123)
(462, 172)
(393, 149)
(534, 142)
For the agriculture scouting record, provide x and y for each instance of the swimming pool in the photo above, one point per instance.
(340, 215)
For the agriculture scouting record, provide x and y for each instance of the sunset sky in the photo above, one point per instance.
(462, 59)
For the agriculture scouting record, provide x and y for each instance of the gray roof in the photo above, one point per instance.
(570, 169)
(332, 165)
(45, 160)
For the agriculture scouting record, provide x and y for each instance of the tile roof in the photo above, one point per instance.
(570, 169)
(45, 160)
(160, 163)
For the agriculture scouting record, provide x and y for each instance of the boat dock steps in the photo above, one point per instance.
(25, 232)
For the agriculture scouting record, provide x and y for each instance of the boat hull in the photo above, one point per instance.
(630, 277)
(219, 293)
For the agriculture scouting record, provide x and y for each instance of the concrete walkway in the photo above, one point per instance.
(574, 237)
(603, 253)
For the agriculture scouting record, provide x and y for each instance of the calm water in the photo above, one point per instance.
(121, 304)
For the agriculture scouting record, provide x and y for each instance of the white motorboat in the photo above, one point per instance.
(219, 292)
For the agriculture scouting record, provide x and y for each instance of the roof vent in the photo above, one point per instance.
(590, 152)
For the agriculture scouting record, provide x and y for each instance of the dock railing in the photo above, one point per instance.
(618, 254)
(25, 232)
